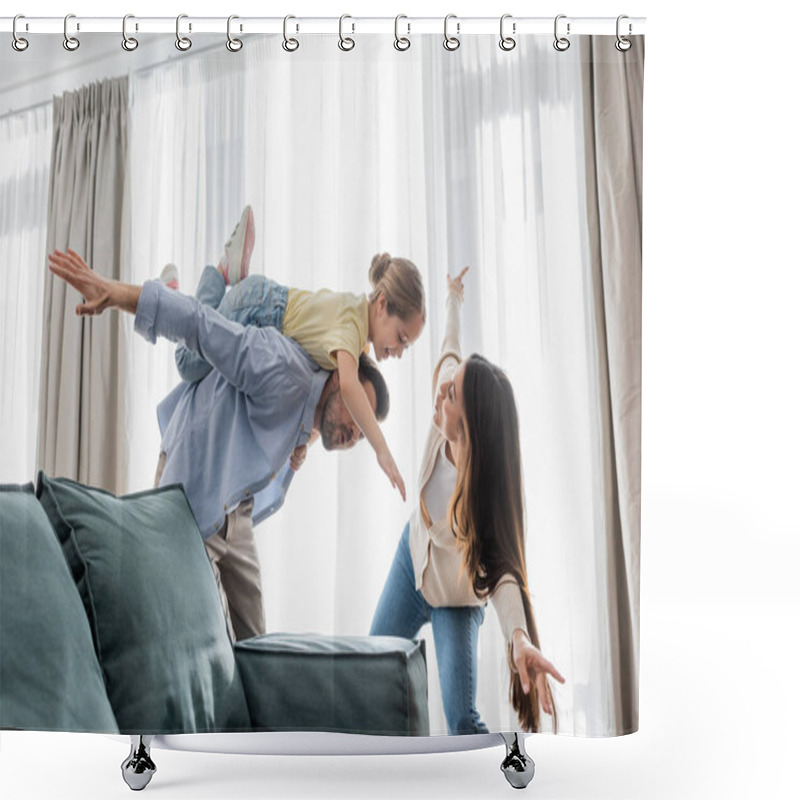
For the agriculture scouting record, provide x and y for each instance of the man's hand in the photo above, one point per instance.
(99, 293)
(298, 456)
(531, 664)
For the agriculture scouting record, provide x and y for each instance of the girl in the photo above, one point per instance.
(334, 328)
(466, 540)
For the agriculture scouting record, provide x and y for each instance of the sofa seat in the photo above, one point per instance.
(348, 684)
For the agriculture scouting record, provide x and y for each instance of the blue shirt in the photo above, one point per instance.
(229, 436)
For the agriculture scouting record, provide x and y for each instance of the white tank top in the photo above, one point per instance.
(440, 486)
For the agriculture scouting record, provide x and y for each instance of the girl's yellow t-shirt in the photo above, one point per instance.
(323, 322)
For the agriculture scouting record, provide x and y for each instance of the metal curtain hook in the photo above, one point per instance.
(622, 44)
(70, 42)
(183, 43)
(561, 43)
(507, 42)
(128, 42)
(401, 42)
(18, 43)
(233, 44)
(288, 44)
(451, 42)
(345, 42)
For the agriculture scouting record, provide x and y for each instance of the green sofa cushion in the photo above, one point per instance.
(347, 684)
(153, 607)
(49, 676)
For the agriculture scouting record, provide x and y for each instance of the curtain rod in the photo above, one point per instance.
(462, 26)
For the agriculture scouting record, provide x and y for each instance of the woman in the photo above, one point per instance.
(465, 541)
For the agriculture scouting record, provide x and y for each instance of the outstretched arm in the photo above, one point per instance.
(98, 293)
(532, 665)
(248, 358)
(450, 356)
(355, 398)
(528, 659)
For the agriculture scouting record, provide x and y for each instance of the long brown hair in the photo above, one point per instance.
(487, 510)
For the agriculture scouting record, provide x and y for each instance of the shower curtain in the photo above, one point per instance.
(524, 166)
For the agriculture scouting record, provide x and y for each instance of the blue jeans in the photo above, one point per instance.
(402, 611)
(254, 301)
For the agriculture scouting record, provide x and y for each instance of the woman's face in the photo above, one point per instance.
(449, 410)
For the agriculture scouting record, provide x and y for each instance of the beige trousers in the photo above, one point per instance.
(237, 568)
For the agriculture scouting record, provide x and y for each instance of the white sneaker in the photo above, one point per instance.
(235, 263)
(169, 276)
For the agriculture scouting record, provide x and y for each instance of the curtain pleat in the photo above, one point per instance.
(613, 101)
(81, 398)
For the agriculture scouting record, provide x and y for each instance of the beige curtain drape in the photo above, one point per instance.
(82, 396)
(613, 119)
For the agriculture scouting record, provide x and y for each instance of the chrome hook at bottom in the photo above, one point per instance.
(517, 766)
(138, 768)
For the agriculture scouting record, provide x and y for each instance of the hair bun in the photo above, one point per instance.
(377, 269)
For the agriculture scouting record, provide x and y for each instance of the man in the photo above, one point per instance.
(229, 438)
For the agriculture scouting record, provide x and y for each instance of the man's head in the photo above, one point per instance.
(338, 429)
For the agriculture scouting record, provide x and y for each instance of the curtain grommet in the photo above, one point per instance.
(623, 44)
(129, 43)
(451, 43)
(346, 43)
(289, 44)
(70, 43)
(560, 43)
(401, 43)
(507, 43)
(183, 43)
(19, 43)
(233, 44)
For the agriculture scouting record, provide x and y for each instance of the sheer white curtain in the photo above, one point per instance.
(477, 159)
(507, 183)
(25, 141)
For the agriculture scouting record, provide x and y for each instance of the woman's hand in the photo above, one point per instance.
(456, 285)
(98, 293)
(531, 664)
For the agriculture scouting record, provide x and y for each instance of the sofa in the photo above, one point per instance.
(110, 622)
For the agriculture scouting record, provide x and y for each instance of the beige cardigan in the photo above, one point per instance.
(435, 553)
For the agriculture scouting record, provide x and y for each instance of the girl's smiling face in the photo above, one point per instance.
(391, 335)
